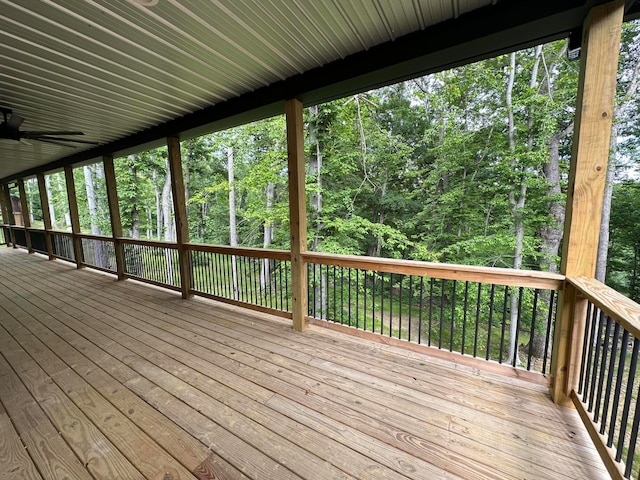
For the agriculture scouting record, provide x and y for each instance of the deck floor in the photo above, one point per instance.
(101, 379)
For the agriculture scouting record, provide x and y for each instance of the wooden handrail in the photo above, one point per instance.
(102, 238)
(241, 251)
(60, 232)
(498, 276)
(148, 243)
(621, 309)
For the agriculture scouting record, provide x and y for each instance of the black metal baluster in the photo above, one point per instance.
(410, 303)
(312, 306)
(603, 369)
(475, 336)
(286, 285)
(341, 295)
(632, 440)
(400, 309)
(364, 288)
(282, 265)
(421, 308)
(441, 319)
(382, 303)
(390, 304)
(585, 346)
(515, 360)
(465, 305)
(357, 298)
(592, 341)
(504, 321)
(534, 317)
(624, 346)
(596, 360)
(431, 282)
(612, 366)
(349, 296)
(454, 292)
(373, 301)
(490, 325)
(627, 399)
(257, 287)
(335, 317)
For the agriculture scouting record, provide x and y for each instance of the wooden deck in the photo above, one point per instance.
(101, 379)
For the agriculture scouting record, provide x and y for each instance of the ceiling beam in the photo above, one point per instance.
(484, 33)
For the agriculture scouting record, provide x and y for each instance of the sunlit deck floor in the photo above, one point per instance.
(105, 379)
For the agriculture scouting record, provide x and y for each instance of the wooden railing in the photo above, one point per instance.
(605, 386)
(255, 278)
(499, 315)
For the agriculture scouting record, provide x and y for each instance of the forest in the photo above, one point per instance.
(466, 166)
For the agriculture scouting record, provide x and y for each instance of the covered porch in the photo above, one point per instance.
(105, 379)
(229, 362)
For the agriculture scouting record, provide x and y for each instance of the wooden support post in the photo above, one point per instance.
(73, 213)
(5, 205)
(587, 176)
(114, 213)
(26, 215)
(180, 210)
(46, 213)
(297, 212)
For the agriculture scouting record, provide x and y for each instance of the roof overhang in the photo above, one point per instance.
(480, 33)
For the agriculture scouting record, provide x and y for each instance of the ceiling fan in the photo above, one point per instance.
(10, 130)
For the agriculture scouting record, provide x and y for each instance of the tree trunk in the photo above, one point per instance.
(603, 243)
(233, 232)
(52, 210)
(137, 265)
(167, 203)
(156, 191)
(516, 210)
(315, 199)
(381, 218)
(100, 255)
(265, 272)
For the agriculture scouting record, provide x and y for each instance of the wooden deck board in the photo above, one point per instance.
(244, 396)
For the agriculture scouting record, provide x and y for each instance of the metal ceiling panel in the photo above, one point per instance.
(113, 68)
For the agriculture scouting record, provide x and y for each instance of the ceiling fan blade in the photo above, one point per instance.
(24, 141)
(55, 142)
(15, 121)
(47, 137)
(52, 132)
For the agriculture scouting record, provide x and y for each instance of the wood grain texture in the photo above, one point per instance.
(114, 212)
(14, 460)
(68, 345)
(174, 160)
(49, 452)
(243, 251)
(614, 468)
(587, 173)
(90, 445)
(73, 213)
(273, 403)
(297, 211)
(499, 276)
(621, 309)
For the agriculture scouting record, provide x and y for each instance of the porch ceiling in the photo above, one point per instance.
(128, 75)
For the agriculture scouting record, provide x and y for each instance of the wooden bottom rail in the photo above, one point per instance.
(614, 468)
(454, 357)
(239, 303)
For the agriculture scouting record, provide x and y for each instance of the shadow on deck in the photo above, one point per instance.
(107, 379)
